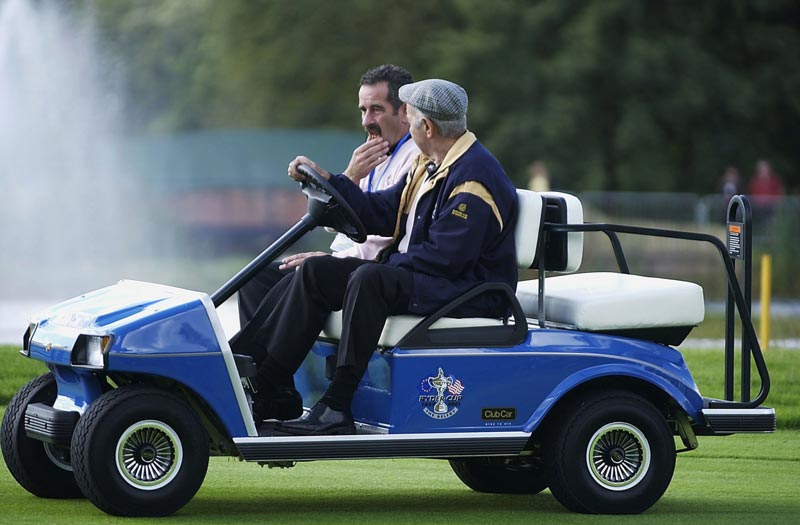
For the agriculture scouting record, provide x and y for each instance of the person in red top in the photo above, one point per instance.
(765, 188)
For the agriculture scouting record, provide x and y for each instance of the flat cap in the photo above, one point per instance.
(437, 98)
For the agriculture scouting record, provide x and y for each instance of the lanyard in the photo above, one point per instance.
(388, 164)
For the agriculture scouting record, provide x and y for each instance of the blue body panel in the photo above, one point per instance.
(76, 388)
(156, 331)
(526, 380)
(175, 334)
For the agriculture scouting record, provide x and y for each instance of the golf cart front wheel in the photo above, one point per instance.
(613, 454)
(43, 469)
(139, 451)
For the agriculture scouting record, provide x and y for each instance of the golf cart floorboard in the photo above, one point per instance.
(371, 446)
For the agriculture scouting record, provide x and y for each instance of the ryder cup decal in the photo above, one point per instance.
(440, 395)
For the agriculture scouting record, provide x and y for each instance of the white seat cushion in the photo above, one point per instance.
(397, 326)
(603, 301)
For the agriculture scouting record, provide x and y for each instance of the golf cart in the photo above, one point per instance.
(580, 389)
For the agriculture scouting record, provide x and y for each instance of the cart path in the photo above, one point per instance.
(14, 317)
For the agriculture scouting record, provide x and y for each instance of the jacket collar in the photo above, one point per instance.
(419, 180)
(456, 152)
(423, 182)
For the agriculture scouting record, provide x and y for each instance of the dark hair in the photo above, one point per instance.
(394, 76)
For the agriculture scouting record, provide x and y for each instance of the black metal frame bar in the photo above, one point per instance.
(736, 297)
(422, 336)
(736, 205)
(303, 226)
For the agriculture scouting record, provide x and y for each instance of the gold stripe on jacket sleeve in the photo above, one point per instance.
(479, 190)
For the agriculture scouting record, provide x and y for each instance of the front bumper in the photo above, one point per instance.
(45, 423)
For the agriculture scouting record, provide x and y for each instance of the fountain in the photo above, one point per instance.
(72, 214)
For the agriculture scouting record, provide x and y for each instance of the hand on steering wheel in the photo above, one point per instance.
(325, 204)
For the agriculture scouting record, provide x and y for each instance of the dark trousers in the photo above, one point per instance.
(254, 308)
(365, 291)
(253, 293)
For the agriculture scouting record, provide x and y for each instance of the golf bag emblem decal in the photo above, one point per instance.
(440, 395)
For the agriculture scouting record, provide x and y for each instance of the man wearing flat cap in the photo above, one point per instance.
(452, 226)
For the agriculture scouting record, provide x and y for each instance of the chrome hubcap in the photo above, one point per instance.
(149, 454)
(618, 456)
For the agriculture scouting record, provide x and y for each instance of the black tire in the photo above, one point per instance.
(139, 451)
(42, 469)
(501, 475)
(614, 454)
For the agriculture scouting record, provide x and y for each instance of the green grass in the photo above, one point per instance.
(713, 326)
(16, 371)
(743, 478)
(707, 368)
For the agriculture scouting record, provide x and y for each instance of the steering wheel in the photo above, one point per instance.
(328, 207)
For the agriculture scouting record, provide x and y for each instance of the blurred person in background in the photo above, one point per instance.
(380, 162)
(538, 177)
(730, 185)
(765, 189)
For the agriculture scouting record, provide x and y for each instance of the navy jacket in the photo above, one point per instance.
(463, 232)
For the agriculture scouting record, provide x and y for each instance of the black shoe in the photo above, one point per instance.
(320, 420)
(283, 403)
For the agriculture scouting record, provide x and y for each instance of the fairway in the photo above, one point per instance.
(743, 478)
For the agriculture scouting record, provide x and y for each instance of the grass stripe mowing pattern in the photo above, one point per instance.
(714, 484)
(742, 478)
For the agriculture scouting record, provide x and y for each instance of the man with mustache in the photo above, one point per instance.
(452, 225)
(379, 163)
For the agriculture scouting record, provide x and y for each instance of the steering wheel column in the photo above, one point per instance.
(325, 207)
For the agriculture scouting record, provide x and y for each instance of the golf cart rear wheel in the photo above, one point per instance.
(501, 475)
(139, 451)
(42, 469)
(613, 454)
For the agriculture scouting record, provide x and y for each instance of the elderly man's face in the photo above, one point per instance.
(416, 127)
(378, 116)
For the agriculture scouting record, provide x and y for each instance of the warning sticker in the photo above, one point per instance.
(735, 240)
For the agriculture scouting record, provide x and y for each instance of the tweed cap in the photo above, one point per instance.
(439, 99)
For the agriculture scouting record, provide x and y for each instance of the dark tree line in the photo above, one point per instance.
(611, 94)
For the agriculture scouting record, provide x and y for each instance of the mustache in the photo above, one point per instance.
(373, 129)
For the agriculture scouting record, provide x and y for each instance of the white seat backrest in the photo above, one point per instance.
(564, 256)
(529, 225)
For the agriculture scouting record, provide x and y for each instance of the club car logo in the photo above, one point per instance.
(440, 395)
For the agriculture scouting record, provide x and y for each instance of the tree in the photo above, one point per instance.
(613, 95)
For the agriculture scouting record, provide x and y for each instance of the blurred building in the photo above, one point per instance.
(229, 189)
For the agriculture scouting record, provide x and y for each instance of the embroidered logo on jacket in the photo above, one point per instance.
(461, 211)
(440, 395)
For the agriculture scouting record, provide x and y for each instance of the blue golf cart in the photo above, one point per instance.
(580, 389)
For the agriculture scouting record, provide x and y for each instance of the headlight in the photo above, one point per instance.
(89, 350)
(26, 339)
